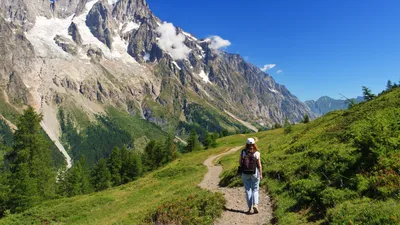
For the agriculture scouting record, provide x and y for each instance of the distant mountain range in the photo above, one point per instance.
(327, 104)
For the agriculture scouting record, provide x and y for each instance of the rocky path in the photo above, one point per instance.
(236, 206)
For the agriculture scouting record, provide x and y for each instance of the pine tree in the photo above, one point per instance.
(287, 126)
(214, 137)
(101, 176)
(171, 149)
(306, 119)
(277, 125)
(367, 93)
(132, 167)
(32, 178)
(4, 183)
(114, 163)
(207, 140)
(193, 142)
(389, 85)
(148, 156)
(76, 180)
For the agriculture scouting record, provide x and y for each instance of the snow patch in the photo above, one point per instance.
(273, 90)
(112, 2)
(204, 76)
(146, 57)
(189, 36)
(43, 33)
(130, 26)
(176, 64)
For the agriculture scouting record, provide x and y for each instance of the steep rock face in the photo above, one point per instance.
(99, 22)
(16, 51)
(132, 10)
(74, 33)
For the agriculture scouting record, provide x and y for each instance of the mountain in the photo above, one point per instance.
(326, 104)
(86, 57)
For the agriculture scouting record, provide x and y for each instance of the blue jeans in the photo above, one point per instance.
(251, 184)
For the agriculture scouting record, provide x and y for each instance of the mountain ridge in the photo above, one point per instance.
(326, 104)
(91, 55)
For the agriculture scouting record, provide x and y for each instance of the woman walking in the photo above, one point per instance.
(250, 164)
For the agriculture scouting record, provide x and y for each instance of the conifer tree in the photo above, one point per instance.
(210, 141)
(114, 163)
(4, 184)
(214, 137)
(171, 149)
(287, 126)
(76, 180)
(132, 167)
(207, 140)
(277, 125)
(193, 142)
(101, 176)
(32, 178)
(389, 85)
(367, 93)
(148, 156)
(306, 119)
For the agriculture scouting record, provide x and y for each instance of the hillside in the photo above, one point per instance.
(165, 190)
(340, 168)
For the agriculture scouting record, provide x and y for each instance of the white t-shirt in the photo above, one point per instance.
(257, 156)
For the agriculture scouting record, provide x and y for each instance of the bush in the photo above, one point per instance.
(365, 211)
(200, 208)
(332, 196)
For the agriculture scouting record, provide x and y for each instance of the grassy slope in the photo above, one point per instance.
(130, 203)
(313, 169)
(342, 168)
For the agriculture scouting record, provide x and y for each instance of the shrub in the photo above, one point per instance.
(200, 208)
(365, 211)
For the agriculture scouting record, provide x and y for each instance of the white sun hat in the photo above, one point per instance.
(250, 141)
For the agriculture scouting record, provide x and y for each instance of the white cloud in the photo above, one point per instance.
(216, 42)
(171, 42)
(279, 71)
(267, 67)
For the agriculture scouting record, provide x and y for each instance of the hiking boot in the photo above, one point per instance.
(255, 208)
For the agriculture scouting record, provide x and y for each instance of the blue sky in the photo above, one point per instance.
(322, 47)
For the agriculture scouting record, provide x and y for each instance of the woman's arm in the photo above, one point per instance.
(260, 167)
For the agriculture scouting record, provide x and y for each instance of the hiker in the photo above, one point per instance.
(250, 166)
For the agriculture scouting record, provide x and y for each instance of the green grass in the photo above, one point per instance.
(140, 200)
(141, 130)
(8, 111)
(335, 168)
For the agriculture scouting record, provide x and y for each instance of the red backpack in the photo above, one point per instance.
(249, 162)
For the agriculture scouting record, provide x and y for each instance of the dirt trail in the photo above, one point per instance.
(236, 206)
